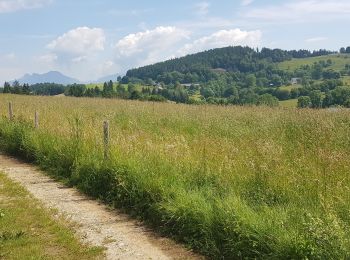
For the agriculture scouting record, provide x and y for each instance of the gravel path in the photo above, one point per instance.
(97, 225)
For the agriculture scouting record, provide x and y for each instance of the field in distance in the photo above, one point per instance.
(229, 181)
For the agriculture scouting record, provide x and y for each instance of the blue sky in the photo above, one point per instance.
(87, 39)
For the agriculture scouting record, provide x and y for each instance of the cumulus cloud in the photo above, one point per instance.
(8, 6)
(79, 42)
(77, 52)
(223, 38)
(301, 10)
(150, 45)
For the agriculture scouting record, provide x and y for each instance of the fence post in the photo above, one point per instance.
(106, 138)
(10, 111)
(36, 120)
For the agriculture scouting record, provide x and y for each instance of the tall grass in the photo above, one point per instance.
(231, 182)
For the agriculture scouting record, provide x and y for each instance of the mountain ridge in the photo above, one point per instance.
(48, 77)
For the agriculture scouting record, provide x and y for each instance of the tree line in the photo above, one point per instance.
(44, 89)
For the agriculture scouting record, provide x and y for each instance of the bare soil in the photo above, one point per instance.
(95, 223)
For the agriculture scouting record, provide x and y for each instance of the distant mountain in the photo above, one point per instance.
(107, 78)
(49, 77)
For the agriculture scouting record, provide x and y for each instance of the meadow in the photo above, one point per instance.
(338, 62)
(229, 181)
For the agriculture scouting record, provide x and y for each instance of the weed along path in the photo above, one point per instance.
(95, 223)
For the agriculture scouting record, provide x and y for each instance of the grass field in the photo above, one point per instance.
(27, 231)
(291, 87)
(290, 103)
(339, 62)
(233, 182)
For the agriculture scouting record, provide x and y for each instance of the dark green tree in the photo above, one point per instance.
(26, 89)
(316, 99)
(16, 87)
(7, 88)
(304, 102)
(267, 100)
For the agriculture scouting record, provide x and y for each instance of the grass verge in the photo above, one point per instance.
(28, 231)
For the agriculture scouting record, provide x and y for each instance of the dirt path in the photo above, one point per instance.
(97, 225)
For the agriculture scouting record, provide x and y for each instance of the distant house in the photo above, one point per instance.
(295, 81)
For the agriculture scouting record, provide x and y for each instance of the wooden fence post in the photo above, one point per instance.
(36, 120)
(106, 138)
(10, 111)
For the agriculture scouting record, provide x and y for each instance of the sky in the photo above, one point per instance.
(88, 39)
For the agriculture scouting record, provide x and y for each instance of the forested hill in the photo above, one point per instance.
(197, 67)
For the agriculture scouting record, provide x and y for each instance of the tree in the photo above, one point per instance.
(16, 87)
(231, 91)
(7, 88)
(121, 92)
(76, 90)
(304, 102)
(342, 50)
(294, 93)
(316, 99)
(328, 100)
(340, 95)
(108, 90)
(134, 95)
(26, 89)
(207, 92)
(316, 72)
(251, 81)
(331, 74)
(282, 94)
(248, 96)
(97, 91)
(268, 100)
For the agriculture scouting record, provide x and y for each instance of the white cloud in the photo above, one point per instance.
(316, 39)
(151, 45)
(223, 38)
(299, 11)
(158, 38)
(246, 2)
(8, 6)
(79, 41)
(47, 58)
(77, 52)
(202, 8)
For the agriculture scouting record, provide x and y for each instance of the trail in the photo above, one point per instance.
(96, 224)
